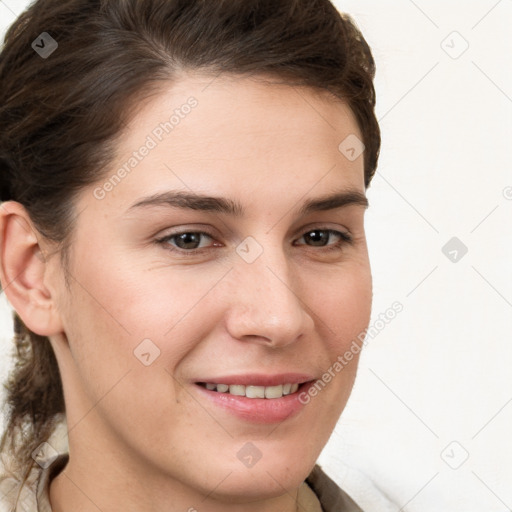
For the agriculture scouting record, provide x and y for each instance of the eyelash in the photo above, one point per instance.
(345, 238)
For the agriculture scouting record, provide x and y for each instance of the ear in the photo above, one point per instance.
(23, 265)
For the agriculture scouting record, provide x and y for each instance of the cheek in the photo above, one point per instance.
(126, 335)
(344, 304)
(122, 305)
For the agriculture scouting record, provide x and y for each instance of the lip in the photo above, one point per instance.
(258, 379)
(257, 410)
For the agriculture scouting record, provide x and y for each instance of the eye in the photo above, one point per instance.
(321, 237)
(187, 240)
(194, 241)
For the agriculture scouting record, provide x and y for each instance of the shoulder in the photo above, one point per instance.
(29, 491)
(332, 497)
(359, 492)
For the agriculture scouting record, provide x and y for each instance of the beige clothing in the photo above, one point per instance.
(317, 494)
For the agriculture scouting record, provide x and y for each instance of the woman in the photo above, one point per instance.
(182, 240)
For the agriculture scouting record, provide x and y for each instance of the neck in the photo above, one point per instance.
(96, 479)
(70, 491)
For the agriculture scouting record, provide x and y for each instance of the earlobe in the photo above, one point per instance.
(22, 271)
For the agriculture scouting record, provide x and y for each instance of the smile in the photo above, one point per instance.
(250, 391)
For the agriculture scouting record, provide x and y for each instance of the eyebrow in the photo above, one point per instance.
(194, 201)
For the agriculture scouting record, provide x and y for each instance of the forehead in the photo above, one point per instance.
(242, 135)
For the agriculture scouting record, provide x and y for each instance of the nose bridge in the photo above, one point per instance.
(267, 303)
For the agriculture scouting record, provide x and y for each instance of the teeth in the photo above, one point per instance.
(274, 391)
(236, 389)
(254, 391)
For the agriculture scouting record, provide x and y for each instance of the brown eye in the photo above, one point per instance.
(321, 238)
(187, 240)
(318, 237)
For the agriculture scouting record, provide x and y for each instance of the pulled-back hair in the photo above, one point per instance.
(61, 116)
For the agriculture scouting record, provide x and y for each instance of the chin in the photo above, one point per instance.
(244, 488)
(270, 477)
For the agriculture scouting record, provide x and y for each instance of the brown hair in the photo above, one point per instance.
(61, 115)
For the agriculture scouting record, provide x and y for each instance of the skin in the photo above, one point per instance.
(141, 437)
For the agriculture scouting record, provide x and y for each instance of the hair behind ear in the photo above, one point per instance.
(34, 397)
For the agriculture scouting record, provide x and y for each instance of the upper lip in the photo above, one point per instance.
(258, 379)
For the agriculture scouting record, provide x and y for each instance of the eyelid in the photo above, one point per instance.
(344, 235)
(178, 230)
(325, 226)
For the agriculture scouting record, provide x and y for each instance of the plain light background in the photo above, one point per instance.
(430, 416)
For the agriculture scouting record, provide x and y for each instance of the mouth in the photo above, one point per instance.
(256, 399)
(253, 391)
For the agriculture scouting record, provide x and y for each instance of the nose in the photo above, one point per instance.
(266, 304)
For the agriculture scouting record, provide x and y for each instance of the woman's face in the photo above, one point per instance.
(230, 251)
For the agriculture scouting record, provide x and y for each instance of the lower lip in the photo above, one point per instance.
(258, 410)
